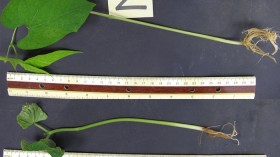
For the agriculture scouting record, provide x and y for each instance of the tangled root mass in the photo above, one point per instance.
(255, 35)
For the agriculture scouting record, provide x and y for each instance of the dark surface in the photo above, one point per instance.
(122, 49)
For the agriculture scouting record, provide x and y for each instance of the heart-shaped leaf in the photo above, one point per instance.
(45, 145)
(30, 114)
(47, 21)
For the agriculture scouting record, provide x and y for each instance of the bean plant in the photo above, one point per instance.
(32, 115)
(48, 21)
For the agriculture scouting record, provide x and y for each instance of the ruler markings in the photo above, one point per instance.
(20, 153)
(94, 87)
(95, 95)
(72, 79)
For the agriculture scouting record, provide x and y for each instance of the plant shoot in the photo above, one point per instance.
(31, 114)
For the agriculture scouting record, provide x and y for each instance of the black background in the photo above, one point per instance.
(121, 49)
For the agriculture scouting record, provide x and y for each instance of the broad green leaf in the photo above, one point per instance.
(32, 69)
(41, 61)
(45, 145)
(47, 21)
(35, 64)
(30, 114)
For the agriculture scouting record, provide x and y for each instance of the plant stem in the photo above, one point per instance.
(169, 29)
(5, 59)
(12, 60)
(11, 45)
(117, 120)
(41, 127)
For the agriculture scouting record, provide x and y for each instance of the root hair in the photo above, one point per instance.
(261, 35)
(221, 134)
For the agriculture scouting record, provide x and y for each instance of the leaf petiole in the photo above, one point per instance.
(41, 127)
(11, 45)
(15, 50)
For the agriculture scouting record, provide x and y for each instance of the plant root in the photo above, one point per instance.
(262, 35)
(220, 134)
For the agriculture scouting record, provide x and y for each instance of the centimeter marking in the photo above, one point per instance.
(106, 87)
(19, 153)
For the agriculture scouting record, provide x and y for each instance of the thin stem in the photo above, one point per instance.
(14, 60)
(11, 45)
(8, 51)
(169, 29)
(15, 50)
(117, 120)
(13, 37)
(5, 59)
(41, 127)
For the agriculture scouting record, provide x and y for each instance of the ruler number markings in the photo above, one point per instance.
(20, 153)
(50, 86)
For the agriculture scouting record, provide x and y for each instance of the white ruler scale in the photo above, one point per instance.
(19, 153)
(110, 87)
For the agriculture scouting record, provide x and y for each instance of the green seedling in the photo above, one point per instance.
(31, 114)
(48, 21)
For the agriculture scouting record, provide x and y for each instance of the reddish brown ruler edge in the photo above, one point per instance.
(131, 89)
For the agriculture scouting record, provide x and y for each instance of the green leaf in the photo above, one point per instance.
(41, 61)
(48, 21)
(33, 69)
(45, 145)
(35, 64)
(30, 114)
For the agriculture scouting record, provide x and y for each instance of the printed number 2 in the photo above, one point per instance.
(121, 6)
(131, 8)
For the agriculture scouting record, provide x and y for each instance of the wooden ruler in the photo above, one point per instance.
(108, 87)
(19, 153)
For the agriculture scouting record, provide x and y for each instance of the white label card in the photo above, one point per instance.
(131, 8)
